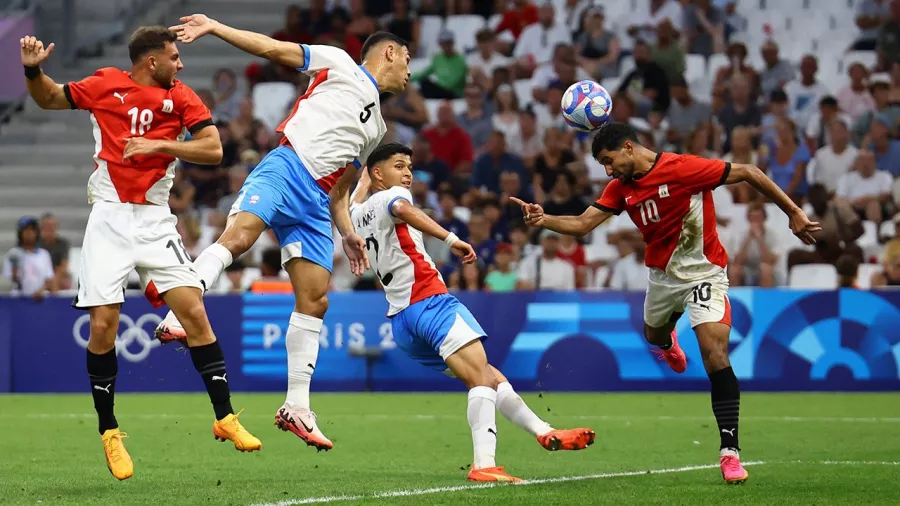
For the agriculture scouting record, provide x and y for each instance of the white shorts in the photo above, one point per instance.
(707, 300)
(121, 237)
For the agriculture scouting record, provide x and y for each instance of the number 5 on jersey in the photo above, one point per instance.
(649, 211)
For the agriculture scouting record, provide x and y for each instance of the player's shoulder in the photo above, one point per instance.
(396, 192)
(111, 73)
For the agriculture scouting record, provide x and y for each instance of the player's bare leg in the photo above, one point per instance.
(102, 368)
(241, 232)
(514, 409)
(206, 354)
(310, 282)
(665, 338)
(470, 365)
(726, 396)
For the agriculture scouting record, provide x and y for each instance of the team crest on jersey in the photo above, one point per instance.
(168, 106)
(663, 190)
(254, 199)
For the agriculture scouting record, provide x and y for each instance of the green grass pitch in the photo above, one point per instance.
(412, 449)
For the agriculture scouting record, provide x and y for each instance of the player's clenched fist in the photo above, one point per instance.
(193, 27)
(464, 250)
(33, 51)
(534, 214)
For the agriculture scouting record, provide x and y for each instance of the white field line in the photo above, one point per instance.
(460, 488)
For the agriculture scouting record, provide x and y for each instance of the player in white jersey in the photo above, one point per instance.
(432, 326)
(299, 187)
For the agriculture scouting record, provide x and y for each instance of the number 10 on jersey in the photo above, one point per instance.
(649, 211)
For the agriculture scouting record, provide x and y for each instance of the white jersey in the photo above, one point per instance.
(396, 251)
(338, 120)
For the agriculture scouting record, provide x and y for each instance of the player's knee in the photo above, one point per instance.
(238, 240)
(313, 304)
(193, 315)
(715, 357)
(103, 333)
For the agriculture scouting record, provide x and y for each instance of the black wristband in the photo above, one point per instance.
(32, 73)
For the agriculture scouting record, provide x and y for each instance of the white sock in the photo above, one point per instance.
(514, 409)
(302, 341)
(482, 417)
(211, 262)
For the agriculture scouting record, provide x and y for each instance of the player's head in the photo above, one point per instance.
(152, 48)
(387, 57)
(614, 147)
(390, 165)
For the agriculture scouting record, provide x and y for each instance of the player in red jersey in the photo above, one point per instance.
(669, 197)
(139, 120)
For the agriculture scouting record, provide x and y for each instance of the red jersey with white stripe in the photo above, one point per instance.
(396, 251)
(672, 206)
(121, 108)
(337, 122)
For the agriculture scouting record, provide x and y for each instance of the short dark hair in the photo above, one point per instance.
(828, 100)
(485, 35)
(377, 38)
(271, 258)
(612, 136)
(149, 38)
(385, 151)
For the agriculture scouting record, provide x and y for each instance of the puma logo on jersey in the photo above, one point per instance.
(120, 97)
(627, 198)
(168, 106)
(663, 190)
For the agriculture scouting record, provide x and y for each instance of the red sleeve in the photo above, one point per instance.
(703, 174)
(611, 200)
(194, 115)
(506, 22)
(81, 94)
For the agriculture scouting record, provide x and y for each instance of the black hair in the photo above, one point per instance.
(271, 258)
(778, 95)
(377, 38)
(149, 38)
(611, 137)
(828, 100)
(385, 151)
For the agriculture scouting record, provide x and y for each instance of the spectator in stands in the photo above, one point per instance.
(551, 163)
(492, 210)
(293, 30)
(236, 177)
(685, 112)
(232, 282)
(241, 125)
(848, 271)
(50, 240)
(870, 15)
(424, 160)
(885, 148)
(28, 266)
(739, 109)
(476, 120)
(209, 100)
(445, 76)
(776, 72)
(421, 191)
(647, 84)
(563, 69)
(449, 218)
(817, 134)
(629, 272)
(485, 59)
(777, 109)
(506, 112)
(786, 160)
(753, 263)
(855, 99)
(361, 25)
(597, 49)
(867, 189)
(261, 139)
(741, 152)
(644, 22)
(496, 159)
(449, 142)
(704, 28)
(804, 93)
(270, 270)
(517, 16)
(667, 53)
(894, 94)
(401, 23)
(879, 87)
(836, 159)
(888, 41)
(573, 252)
(528, 144)
(480, 237)
(549, 115)
(537, 41)
(703, 141)
(406, 109)
(546, 271)
(841, 227)
(511, 186)
(562, 200)
(181, 197)
(467, 278)
(502, 277)
(316, 19)
(737, 65)
(227, 99)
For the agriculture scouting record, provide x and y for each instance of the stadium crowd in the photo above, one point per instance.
(485, 125)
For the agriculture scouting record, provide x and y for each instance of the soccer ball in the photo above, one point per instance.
(586, 105)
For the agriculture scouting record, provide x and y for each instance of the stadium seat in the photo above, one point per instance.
(429, 29)
(696, 68)
(867, 58)
(813, 277)
(271, 102)
(864, 275)
(464, 28)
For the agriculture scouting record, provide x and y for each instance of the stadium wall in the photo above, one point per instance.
(782, 340)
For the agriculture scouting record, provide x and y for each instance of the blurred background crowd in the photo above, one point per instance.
(807, 90)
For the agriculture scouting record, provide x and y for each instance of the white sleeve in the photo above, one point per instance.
(812, 128)
(316, 58)
(842, 186)
(7, 267)
(570, 277)
(527, 268)
(523, 46)
(394, 194)
(48, 265)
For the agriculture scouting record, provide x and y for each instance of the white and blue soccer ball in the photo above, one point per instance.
(586, 105)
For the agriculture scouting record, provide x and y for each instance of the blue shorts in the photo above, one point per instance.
(431, 330)
(286, 197)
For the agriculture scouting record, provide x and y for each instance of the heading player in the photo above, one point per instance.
(669, 197)
(139, 122)
(334, 125)
(429, 324)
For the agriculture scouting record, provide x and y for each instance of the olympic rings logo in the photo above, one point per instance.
(136, 334)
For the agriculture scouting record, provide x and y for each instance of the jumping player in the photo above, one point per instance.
(139, 122)
(432, 326)
(669, 198)
(333, 126)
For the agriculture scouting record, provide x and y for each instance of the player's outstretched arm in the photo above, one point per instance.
(45, 92)
(802, 227)
(197, 25)
(405, 211)
(568, 225)
(354, 245)
(205, 148)
(361, 193)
